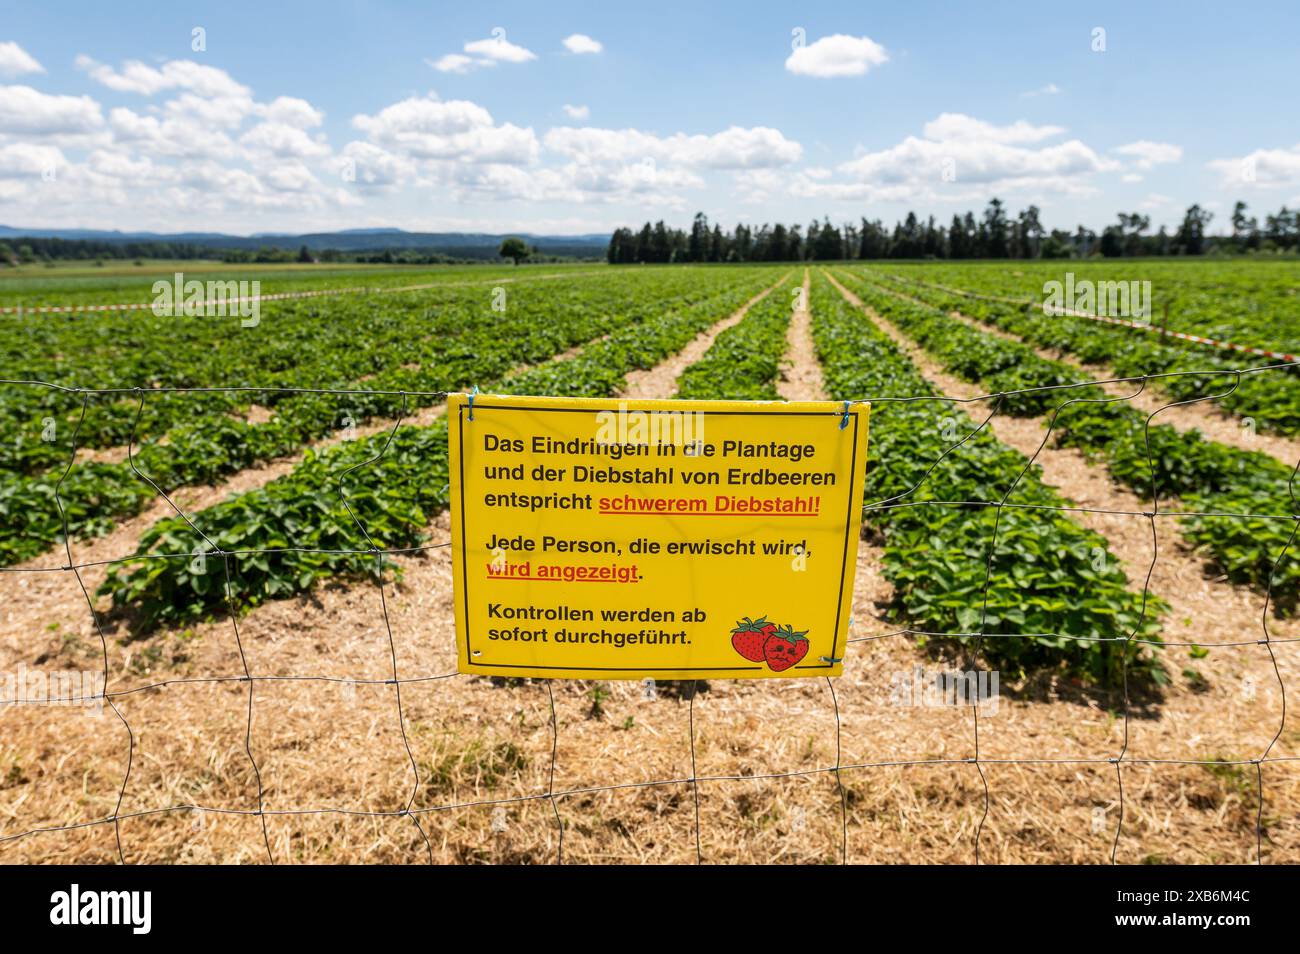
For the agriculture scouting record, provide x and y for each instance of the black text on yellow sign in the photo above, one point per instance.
(606, 539)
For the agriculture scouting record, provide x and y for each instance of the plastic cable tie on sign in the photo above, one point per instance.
(472, 394)
(844, 421)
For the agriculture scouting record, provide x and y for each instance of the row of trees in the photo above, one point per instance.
(29, 249)
(994, 234)
(33, 250)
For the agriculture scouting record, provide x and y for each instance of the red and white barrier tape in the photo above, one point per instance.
(140, 306)
(281, 296)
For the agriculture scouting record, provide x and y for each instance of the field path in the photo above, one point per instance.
(661, 380)
(801, 378)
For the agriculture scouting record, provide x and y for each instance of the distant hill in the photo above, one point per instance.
(455, 244)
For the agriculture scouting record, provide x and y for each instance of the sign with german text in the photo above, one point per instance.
(607, 539)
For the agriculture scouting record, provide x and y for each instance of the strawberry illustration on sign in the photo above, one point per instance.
(785, 647)
(750, 635)
(760, 641)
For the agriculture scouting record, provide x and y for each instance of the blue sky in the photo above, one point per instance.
(438, 116)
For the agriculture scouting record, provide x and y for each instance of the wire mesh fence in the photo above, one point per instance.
(971, 642)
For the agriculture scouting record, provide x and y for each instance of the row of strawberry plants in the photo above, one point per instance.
(744, 361)
(1271, 399)
(97, 494)
(299, 522)
(1051, 594)
(1178, 466)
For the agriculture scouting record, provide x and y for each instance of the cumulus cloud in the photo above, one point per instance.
(958, 127)
(291, 111)
(26, 111)
(456, 63)
(137, 77)
(21, 160)
(959, 157)
(837, 55)
(480, 53)
(1263, 168)
(733, 148)
(15, 61)
(1147, 154)
(580, 43)
(373, 167)
(499, 49)
(193, 150)
(1051, 89)
(283, 141)
(430, 128)
(577, 112)
(175, 136)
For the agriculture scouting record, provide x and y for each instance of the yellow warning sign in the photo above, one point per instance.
(607, 539)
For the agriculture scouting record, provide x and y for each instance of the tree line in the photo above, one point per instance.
(993, 234)
(28, 250)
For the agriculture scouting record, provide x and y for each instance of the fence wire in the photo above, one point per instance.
(552, 795)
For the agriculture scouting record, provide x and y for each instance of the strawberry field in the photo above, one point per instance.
(244, 528)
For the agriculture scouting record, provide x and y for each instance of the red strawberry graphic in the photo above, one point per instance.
(784, 648)
(749, 636)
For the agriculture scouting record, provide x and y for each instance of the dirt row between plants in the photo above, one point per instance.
(661, 380)
(1209, 417)
(762, 752)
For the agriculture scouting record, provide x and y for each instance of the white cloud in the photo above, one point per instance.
(1131, 177)
(291, 177)
(1051, 89)
(733, 148)
(960, 158)
(15, 61)
(1263, 168)
(428, 128)
(496, 49)
(292, 111)
(580, 43)
(1155, 200)
(26, 111)
(373, 167)
(837, 55)
(225, 112)
(456, 63)
(283, 141)
(958, 127)
(1147, 154)
(121, 164)
(500, 49)
(577, 112)
(137, 77)
(172, 136)
(23, 160)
